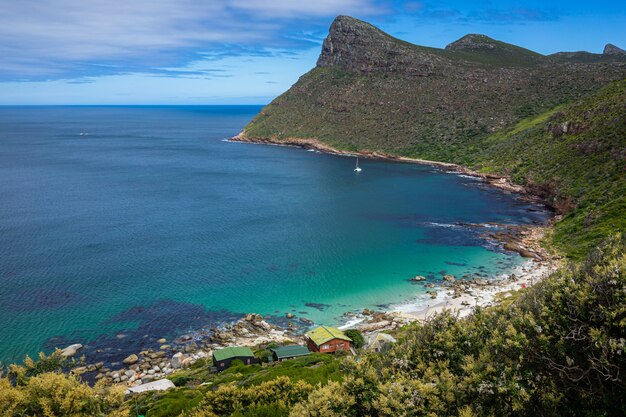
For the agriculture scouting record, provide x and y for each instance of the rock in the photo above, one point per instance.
(161, 341)
(131, 359)
(123, 378)
(449, 278)
(264, 325)
(611, 49)
(151, 372)
(369, 327)
(433, 294)
(71, 350)
(146, 378)
(160, 385)
(290, 315)
(130, 373)
(418, 278)
(430, 285)
(165, 347)
(177, 360)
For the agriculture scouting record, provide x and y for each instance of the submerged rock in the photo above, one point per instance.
(131, 359)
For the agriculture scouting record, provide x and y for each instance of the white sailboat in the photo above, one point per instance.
(357, 169)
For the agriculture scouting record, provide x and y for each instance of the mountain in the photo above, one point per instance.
(371, 91)
(466, 104)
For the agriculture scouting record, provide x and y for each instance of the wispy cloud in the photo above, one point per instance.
(56, 38)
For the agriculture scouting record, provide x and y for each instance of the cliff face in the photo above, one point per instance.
(370, 91)
(358, 47)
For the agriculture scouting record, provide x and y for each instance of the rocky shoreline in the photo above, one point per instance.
(459, 294)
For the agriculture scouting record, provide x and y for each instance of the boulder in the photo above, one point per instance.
(71, 350)
(177, 360)
(131, 359)
(449, 278)
(160, 385)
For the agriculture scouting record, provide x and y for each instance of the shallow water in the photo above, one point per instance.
(151, 225)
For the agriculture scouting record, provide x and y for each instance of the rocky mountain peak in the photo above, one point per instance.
(356, 46)
(473, 42)
(611, 49)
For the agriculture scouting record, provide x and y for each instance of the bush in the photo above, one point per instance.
(358, 341)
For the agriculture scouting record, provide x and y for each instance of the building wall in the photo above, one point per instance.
(330, 346)
(225, 364)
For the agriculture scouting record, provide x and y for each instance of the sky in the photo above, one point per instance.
(246, 51)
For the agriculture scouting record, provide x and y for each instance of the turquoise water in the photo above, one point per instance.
(152, 225)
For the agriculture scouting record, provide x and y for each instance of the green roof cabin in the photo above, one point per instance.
(224, 357)
(289, 352)
(327, 339)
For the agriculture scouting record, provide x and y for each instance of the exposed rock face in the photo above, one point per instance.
(611, 49)
(359, 47)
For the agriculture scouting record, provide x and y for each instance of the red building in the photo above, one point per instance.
(327, 339)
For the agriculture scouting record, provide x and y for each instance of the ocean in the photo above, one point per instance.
(124, 224)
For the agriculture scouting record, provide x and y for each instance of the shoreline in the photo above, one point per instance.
(498, 181)
(460, 295)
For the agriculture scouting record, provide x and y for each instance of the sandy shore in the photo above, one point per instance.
(522, 277)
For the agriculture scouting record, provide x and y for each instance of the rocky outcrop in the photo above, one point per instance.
(357, 46)
(611, 49)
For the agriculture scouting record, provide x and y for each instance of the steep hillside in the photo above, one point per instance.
(372, 91)
(575, 157)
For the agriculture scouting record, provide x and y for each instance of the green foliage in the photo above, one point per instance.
(53, 394)
(172, 403)
(358, 341)
(55, 362)
(574, 156)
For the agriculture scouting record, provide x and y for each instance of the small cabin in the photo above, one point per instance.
(378, 342)
(289, 352)
(223, 358)
(327, 339)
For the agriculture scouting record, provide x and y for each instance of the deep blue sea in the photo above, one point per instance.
(149, 224)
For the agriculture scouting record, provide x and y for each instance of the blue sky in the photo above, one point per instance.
(245, 51)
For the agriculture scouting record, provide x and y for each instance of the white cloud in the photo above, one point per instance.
(39, 37)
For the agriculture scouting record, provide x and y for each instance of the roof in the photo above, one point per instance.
(377, 339)
(323, 334)
(231, 352)
(290, 351)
